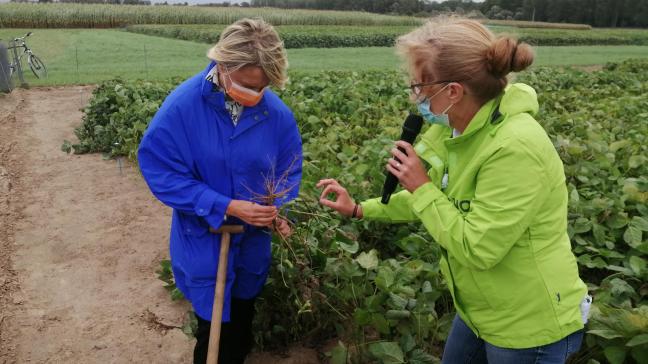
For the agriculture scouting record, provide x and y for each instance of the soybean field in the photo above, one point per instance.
(84, 254)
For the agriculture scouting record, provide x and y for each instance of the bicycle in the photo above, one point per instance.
(35, 64)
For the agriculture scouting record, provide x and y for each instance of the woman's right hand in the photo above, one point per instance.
(252, 213)
(342, 202)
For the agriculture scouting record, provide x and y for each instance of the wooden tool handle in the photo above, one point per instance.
(232, 229)
(219, 299)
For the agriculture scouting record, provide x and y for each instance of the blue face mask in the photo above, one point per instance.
(429, 116)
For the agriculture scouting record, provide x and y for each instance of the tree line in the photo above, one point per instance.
(598, 13)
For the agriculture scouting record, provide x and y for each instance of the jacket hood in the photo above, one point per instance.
(519, 98)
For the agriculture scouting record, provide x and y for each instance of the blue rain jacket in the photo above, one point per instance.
(196, 161)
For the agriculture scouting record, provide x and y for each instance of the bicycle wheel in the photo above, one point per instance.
(37, 66)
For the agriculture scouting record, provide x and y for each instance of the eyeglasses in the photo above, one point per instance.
(417, 88)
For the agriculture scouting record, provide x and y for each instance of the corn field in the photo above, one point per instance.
(112, 16)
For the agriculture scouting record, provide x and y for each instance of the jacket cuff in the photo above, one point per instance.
(424, 196)
(212, 206)
(370, 208)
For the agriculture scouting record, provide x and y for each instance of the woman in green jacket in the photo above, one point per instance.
(494, 197)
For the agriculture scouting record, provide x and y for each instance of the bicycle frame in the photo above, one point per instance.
(16, 44)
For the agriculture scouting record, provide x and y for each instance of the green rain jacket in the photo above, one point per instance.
(502, 223)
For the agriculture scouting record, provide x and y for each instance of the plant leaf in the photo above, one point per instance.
(606, 334)
(638, 340)
(637, 265)
(615, 354)
(387, 352)
(338, 354)
(368, 260)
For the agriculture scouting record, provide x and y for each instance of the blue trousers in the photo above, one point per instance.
(463, 347)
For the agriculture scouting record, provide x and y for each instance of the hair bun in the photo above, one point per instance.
(506, 55)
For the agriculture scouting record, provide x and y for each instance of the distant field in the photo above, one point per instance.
(294, 36)
(313, 36)
(16, 15)
(105, 54)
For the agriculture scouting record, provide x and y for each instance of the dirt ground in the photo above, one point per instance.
(80, 241)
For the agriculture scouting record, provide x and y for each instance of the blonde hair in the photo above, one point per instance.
(252, 42)
(463, 50)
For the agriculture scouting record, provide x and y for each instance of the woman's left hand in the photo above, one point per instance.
(410, 171)
(283, 228)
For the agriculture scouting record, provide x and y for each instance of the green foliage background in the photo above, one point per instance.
(377, 287)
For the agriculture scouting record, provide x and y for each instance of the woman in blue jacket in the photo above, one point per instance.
(207, 153)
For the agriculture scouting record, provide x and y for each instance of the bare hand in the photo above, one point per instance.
(283, 228)
(342, 202)
(252, 213)
(410, 171)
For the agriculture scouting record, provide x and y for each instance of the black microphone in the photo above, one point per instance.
(411, 129)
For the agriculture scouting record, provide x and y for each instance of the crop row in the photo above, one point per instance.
(25, 15)
(384, 36)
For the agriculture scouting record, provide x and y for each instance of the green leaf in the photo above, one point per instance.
(176, 294)
(419, 356)
(638, 265)
(190, 324)
(619, 144)
(385, 278)
(387, 352)
(66, 147)
(380, 323)
(635, 161)
(615, 354)
(338, 354)
(582, 225)
(427, 287)
(312, 119)
(632, 236)
(606, 334)
(640, 223)
(368, 260)
(573, 197)
(643, 247)
(407, 342)
(640, 353)
(349, 248)
(621, 288)
(397, 314)
(638, 340)
(397, 301)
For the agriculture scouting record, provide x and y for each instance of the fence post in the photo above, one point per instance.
(18, 64)
(6, 84)
(76, 57)
(146, 62)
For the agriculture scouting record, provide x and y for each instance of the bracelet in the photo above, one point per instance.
(355, 211)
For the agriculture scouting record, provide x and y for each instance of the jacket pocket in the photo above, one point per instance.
(467, 287)
(513, 281)
(193, 225)
(255, 253)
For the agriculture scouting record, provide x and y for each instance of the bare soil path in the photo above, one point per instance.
(80, 245)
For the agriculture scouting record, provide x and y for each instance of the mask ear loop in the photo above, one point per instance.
(438, 92)
(429, 99)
